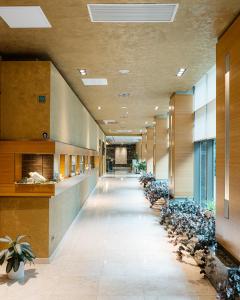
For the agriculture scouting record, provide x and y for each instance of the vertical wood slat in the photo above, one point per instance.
(227, 229)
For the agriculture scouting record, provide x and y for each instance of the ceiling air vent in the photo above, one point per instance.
(132, 12)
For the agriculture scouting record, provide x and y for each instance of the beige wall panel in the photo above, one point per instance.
(22, 116)
(181, 145)
(28, 216)
(161, 148)
(64, 207)
(227, 230)
(70, 121)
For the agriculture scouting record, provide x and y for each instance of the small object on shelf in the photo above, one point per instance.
(37, 177)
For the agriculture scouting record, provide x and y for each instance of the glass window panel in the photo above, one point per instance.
(200, 124)
(203, 173)
(211, 120)
(211, 84)
(200, 93)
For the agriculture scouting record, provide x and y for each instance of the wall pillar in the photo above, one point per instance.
(144, 147)
(139, 150)
(228, 140)
(150, 150)
(161, 147)
(181, 145)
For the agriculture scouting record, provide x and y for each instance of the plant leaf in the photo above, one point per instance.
(4, 240)
(9, 239)
(16, 264)
(18, 249)
(19, 238)
(9, 266)
(28, 252)
(25, 244)
(2, 257)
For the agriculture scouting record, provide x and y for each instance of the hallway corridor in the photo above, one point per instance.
(115, 250)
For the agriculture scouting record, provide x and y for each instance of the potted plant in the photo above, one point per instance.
(16, 255)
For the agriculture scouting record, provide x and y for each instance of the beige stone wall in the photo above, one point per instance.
(70, 121)
(64, 207)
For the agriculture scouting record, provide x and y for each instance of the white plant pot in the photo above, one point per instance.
(17, 275)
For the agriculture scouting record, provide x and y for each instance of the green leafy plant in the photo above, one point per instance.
(16, 252)
(142, 166)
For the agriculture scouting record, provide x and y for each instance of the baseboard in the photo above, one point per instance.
(48, 260)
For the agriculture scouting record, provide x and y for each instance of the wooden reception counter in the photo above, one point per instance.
(44, 212)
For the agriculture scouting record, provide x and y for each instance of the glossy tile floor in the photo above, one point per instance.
(116, 250)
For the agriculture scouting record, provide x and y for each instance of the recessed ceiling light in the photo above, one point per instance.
(124, 71)
(94, 81)
(124, 94)
(109, 122)
(24, 17)
(99, 108)
(124, 107)
(156, 107)
(180, 72)
(134, 12)
(83, 72)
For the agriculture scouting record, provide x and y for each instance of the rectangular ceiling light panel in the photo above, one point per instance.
(94, 81)
(24, 17)
(132, 12)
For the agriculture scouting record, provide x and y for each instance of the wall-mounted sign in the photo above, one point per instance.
(42, 99)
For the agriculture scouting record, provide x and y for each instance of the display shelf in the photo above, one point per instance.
(54, 160)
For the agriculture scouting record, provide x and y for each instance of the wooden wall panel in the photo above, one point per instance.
(28, 216)
(144, 147)
(18, 166)
(6, 168)
(22, 116)
(227, 230)
(150, 150)
(0, 98)
(181, 145)
(161, 148)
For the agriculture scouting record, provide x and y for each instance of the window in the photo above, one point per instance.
(204, 172)
(205, 107)
(204, 139)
